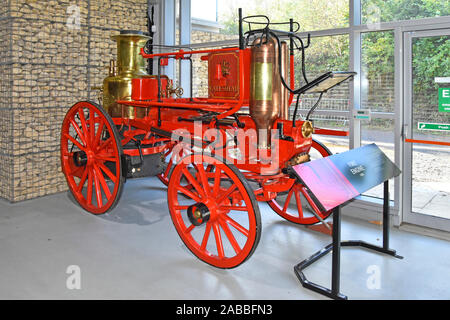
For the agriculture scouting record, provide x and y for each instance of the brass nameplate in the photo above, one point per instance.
(262, 81)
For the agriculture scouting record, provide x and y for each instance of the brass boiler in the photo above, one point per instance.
(130, 64)
(266, 94)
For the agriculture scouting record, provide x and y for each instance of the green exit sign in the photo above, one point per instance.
(444, 99)
(433, 126)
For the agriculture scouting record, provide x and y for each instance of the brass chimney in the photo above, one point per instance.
(130, 64)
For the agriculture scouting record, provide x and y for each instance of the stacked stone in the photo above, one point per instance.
(58, 50)
(200, 68)
(198, 36)
(5, 102)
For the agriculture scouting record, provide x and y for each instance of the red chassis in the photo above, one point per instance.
(172, 110)
(213, 170)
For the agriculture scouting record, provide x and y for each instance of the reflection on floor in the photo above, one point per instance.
(134, 252)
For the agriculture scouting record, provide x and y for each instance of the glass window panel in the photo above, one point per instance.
(377, 94)
(204, 10)
(430, 60)
(330, 53)
(376, 11)
(377, 71)
(430, 192)
(311, 14)
(380, 132)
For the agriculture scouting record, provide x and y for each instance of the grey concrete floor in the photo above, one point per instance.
(134, 252)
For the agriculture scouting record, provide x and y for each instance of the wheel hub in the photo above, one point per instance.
(198, 214)
(80, 158)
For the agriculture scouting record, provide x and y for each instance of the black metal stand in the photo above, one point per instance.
(335, 246)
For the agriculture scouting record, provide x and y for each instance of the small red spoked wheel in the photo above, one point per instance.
(91, 157)
(284, 204)
(214, 210)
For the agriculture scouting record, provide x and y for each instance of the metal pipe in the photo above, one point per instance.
(241, 33)
(284, 112)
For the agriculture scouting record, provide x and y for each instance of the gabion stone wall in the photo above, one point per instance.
(5, 102)
(52, 53)
(200, 68)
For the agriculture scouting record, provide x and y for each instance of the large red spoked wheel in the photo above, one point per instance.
(289, 206)
(214, 210)
(91, 157)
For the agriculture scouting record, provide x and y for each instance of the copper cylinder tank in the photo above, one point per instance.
(130, 65)
(284, 113)
(265, 88)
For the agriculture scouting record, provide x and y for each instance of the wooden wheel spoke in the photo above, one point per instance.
(78, 131)
(89, 187)
(181, 207)
(83, 123)
(188, 230)
(98, 135)
(288, 200)
(103, 183)
(230, 237)
(219, 244)
(107, 172)
(82, 181)
(105, 158)
(313, 206)
(194, 183)
(236, 225)
(299, 203)
(217, 180)
(206, 236)
(105, 144)
(226, 194)
(75, 142)
(98, 191)
(91, 125)
(188, 193)
(202, 173)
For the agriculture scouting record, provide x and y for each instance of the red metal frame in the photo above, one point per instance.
(172, 109)
(437, 143)
(166, 113)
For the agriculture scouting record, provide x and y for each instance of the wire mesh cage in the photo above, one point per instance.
(52, 54)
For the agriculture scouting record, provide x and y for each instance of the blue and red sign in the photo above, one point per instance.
(339, 178)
